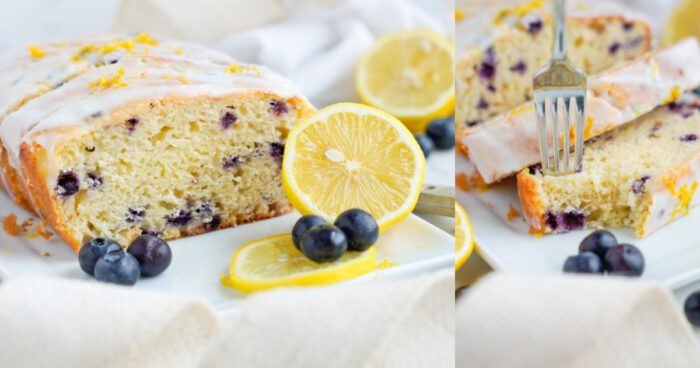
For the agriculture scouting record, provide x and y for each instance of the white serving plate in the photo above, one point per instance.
(672, 253)
(414, 245)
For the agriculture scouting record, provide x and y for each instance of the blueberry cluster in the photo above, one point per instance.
(691, 308)
(354, 230)
(600, 252)
(440, 134)
(104, 259)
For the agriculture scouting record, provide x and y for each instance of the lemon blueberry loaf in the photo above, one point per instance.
(31, 72)
(509, 142)
(642, 176)
(160, 142)
(499, 49)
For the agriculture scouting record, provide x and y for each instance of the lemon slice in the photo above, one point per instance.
(682, 23)
(353, 156)
(409, 74)
(464, 236)
(274, 261)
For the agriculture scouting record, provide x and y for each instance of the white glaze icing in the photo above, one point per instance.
(508, 143)
(663, 202)
(150, 72)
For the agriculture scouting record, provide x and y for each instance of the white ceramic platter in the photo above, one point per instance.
(672, 254)
(414, 245)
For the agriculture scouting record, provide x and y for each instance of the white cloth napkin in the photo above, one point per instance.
(526, 321)
(54, 323)
(319, 48)
(315, 43)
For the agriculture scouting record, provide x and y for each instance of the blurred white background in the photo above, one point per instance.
(35, 21)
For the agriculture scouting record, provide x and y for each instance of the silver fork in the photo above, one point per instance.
(559, 89)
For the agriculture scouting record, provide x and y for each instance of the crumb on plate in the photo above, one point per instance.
(9, 224)
(512, 213)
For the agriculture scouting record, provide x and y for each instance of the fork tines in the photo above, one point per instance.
(558, 110)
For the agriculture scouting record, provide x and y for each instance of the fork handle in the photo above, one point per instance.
(559, 30)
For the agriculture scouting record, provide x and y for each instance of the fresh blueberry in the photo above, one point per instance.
(442, 132)
(324, 243)
(304, 224)
(598, 242)
(359, 227)
(692, 308)
(586, 262)
(426, 144)
(624, 259)
(91, 251)
(153, 254)
(118, 268)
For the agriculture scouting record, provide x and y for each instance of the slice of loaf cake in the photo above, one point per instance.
(509, 142)
(501, 43)
(158, 142)
(642, 176)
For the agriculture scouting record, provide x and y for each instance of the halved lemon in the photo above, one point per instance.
(274, 262)
(349, 155)
(409, 74)
(682, 23)
(464, 236)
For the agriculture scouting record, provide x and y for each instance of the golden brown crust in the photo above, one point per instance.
(17, 189)
(531, 201)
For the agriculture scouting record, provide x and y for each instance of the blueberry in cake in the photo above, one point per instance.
(134, 135)
(501, 43)
(508, 143)
(642, 176)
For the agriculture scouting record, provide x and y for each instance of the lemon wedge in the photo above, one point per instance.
(274, 262)
(409, 74)
(682, 23)
(353, 156)
(464, 236)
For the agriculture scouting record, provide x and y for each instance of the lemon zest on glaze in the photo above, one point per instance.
(518, 11)
(146, 38)
(684, 196)
(181, 78)
(655, 68)
(673, 95)
(126, 45)
(522, 109)
(113, 82)
(236, 68)
(36, 52)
